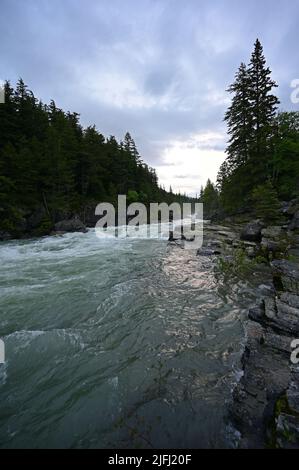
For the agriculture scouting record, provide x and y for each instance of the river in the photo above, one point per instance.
(115, 344)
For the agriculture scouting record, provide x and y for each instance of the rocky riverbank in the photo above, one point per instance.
(265, 406)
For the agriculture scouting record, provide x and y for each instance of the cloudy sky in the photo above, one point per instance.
(158, 68)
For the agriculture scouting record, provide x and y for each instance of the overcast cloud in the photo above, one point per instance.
(156, 68)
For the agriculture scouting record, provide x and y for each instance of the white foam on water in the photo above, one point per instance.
(23, 338)
(24, 334)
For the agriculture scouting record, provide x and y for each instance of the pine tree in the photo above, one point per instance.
(223, 176)
(239, 120)
(266, 202)
(209, 199)
(130, 147)
(251, 127)
(263, 109)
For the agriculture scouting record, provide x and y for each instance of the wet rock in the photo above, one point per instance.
(256, 314)
(71, 225)
(207, 252)
(265, 377)
(278, 342)
(290, 299)
(287, 431)
(280, 316)
(287, 273)
(266, 290)
(226, 234)
(287, 318)
(253, 231)
(270, 308)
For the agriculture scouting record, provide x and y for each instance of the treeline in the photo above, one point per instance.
(48, 159)
(262, 164)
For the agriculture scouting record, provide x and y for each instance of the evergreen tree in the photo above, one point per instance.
(285, 158)
(239, 121)
(252, 128)
(263, 109)
(210, 200)
(266, 202)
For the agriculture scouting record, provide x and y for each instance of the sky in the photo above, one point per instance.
(156, 68)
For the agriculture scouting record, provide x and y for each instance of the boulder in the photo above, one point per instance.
(71, 225)
(253, 231)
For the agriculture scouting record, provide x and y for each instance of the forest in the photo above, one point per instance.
(51, 167)
(262, 157)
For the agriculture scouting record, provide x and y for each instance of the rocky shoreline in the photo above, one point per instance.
(264, 410)
(265, 405)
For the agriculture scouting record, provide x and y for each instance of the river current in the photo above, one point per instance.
(115, 344)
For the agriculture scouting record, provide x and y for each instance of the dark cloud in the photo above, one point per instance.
(157, 69)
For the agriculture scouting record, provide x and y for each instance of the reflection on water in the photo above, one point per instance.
(115, 343)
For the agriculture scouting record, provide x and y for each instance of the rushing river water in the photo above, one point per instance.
(115, 343)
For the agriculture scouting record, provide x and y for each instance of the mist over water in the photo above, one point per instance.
(115, 343)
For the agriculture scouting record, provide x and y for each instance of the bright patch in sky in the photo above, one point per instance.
(187, 165)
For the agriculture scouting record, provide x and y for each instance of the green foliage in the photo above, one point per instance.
(266, 203)
(285, 160)
(210, 199)
(132, 197)
(238, 264)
